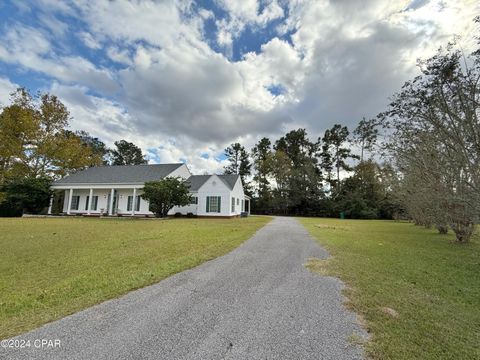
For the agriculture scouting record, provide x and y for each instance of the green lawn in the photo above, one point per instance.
(51, 267)
(432, 283)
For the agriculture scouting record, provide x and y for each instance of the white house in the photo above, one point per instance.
(116, 190)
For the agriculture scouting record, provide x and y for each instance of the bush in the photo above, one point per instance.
(27, 195)
(164, 194)
(9, 210)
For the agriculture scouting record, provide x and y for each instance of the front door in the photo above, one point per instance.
(115, 202)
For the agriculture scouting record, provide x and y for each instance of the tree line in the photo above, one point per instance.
(295, 175)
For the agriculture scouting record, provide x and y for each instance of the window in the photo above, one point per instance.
(214, 204)
(243, 206)
(195, 200)
(238, 201)
(75, 202)
(93, 205)
(233, 204)
(130, 201)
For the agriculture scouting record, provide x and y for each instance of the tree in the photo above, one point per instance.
(304, 180)
(435, 141)
(127, 153)
(164, 194)
(34, 141)
(97, 146)
(361, 195)
(27, 195)
(334, 153)
(365, 135)
(239, 162)
(281, 171)
(263, 162)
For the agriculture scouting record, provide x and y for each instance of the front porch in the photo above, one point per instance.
(102, 202)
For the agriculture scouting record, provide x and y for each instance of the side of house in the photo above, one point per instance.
(216, 195)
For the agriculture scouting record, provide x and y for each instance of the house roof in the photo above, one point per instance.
(230, 180)
(122, 174)
(197, 181)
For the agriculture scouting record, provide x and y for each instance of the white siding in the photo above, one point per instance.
(184, 210)
(237, 193)
(214, 186)
(83, 193)
(181, 171)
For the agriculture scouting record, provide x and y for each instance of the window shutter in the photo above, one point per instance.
(87, 202)
(137, 205)
(219, 204)
(208, 204)
(129, 203)
(95, 203)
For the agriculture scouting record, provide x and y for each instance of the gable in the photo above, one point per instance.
(214, 184)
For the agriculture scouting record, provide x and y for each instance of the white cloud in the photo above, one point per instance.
(57, 27)
(109, 121)
(89, 40)
(101, 117)
(119, 55)
(31, 49)
(242, 14)
(160, 23)
(6, 88)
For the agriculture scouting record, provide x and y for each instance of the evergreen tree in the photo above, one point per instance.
(127, 153)
(263, 163)
(335, 153)
(239, 162)
(304, 182)
(365, 135)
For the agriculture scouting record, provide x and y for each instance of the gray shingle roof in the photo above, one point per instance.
(230, 180)
(124, 174)
(196, 181)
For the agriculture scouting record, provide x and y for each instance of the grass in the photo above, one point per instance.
(431, 283)
(50, 268)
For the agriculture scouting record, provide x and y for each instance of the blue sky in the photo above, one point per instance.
(183, 78)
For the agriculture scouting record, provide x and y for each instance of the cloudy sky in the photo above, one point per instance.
(183, 79)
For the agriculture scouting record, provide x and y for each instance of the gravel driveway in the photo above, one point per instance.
(257, 302)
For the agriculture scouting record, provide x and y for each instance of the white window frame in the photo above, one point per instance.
(75, 202)
(130, 203)
(216, 206)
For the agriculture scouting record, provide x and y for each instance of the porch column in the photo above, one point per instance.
(50, 205)
(69, 206)
(89, 205)
(134, 201)
(110, 208)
